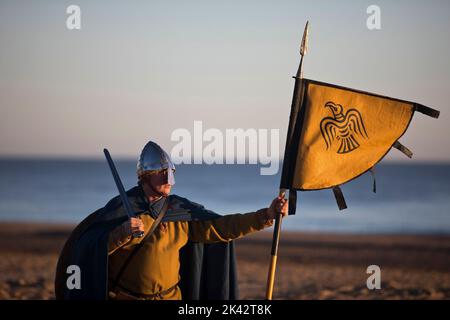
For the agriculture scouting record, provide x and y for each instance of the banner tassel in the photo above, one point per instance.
(374, 187)
(397, 145)
(339, 198)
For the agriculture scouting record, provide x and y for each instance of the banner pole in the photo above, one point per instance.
(282, 193)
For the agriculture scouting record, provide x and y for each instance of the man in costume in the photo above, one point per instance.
(187, 251)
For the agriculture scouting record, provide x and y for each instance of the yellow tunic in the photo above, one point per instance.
(155, 267)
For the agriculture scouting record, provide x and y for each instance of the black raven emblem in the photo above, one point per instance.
(346, 128)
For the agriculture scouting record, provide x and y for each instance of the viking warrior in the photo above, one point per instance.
(186, 251)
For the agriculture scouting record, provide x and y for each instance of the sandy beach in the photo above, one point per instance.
(310, 265)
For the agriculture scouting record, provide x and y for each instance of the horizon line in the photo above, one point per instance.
(130, 158)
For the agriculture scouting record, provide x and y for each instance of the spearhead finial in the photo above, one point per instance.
(304, 45)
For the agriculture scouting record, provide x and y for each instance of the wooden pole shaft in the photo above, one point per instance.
(273, 260)
(274, 252)
(279, 217)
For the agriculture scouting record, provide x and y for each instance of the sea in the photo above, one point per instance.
(410, 198)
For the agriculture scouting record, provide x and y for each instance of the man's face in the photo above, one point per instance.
(158, 180)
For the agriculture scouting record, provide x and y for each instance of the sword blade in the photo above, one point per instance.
(123, 194)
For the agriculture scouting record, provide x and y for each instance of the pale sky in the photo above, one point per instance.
(138, 70)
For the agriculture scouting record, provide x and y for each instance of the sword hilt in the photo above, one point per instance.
(138, 234)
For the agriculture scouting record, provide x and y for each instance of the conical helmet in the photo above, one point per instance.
(153, 158)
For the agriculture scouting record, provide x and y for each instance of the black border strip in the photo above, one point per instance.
(295, 124)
